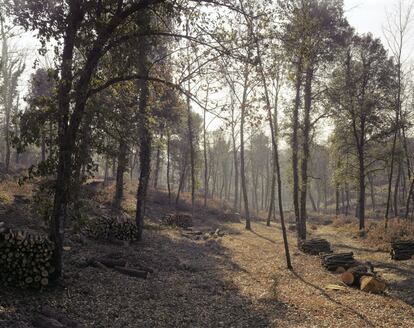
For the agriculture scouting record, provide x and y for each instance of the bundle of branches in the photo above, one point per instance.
(363, 277)
(402, 250)
(315, 246)
(333, 261)
(178, 220)
(109, 228)
(25, 259)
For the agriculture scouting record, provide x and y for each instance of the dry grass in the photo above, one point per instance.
(398, 229)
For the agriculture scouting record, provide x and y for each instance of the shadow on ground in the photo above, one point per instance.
(190, 287)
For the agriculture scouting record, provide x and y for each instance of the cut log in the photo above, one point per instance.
(353, 275)
(132, 272)
(340, 270)
(315, 246)
(372, 284)
(348, 278)
(402, 250)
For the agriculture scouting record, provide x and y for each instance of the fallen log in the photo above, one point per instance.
(402, 250)
(132, 272)
(315, 246)
(109, 263)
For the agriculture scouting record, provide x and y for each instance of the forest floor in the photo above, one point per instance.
(238, 280)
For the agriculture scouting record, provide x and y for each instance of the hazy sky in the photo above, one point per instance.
(368, 15)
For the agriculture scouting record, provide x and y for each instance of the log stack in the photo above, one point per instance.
(178, 220)
(402, 250)
(25, 259)
(109, 228)
(315, 246)
(334, 261)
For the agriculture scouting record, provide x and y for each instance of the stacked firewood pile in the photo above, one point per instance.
(178, 220)
(109, 228)
(334, 261)
(230, 217)
(315, 246)
(402, 250)
(25, 259)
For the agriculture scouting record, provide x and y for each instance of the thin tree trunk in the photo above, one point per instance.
(397, 185)
(372, 191)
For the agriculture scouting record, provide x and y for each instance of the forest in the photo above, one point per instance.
(206, 163)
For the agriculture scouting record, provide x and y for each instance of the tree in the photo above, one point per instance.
(362, 87)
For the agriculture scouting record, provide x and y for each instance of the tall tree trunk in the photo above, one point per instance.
(43, 146)
(348, 204)
(315, 209)
(168, 166)
(372, 190)
(145, 148)
(337, 200)
(205, 150)
(242, 156)
(106, 170)
(64, 154)
(181, 182)
(305, 152)
(192, 152)
(397, 185)
(361, 202)
(158, 163)
(236, 166)
(387, 210)
(122, 166)
(272, 190)
(274, 129)
(295, 146)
